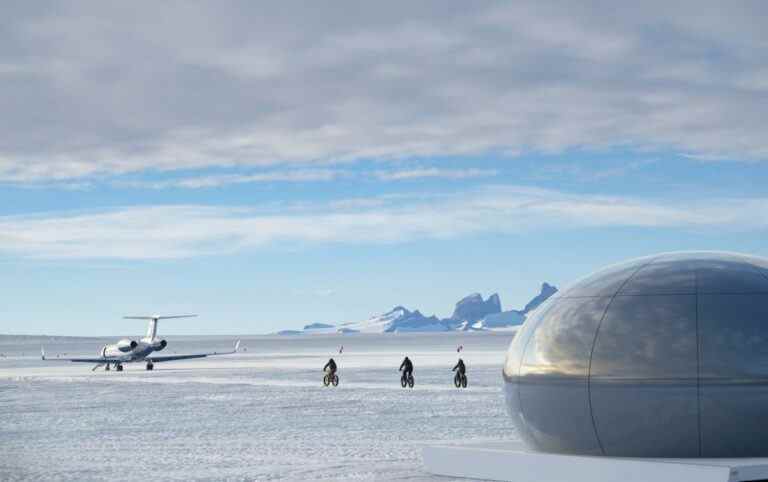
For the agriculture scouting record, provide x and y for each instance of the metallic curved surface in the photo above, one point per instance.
(663, 356)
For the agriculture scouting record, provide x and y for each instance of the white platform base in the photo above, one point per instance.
(513, 462)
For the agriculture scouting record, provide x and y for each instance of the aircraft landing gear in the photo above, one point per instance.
(119, 367)
(106, 367)
(150, 365)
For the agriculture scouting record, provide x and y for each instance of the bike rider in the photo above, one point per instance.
(461, 367)
(330, 367)
(407, 368)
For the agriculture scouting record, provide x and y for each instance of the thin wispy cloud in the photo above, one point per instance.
(214, 181)
(434, 173)
(188, 230)
(210, 85)
(302, 176)
(580, 172)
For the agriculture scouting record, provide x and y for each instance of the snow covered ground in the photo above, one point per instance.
(259, 415)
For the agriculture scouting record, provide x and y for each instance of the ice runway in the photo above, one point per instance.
(259, 415)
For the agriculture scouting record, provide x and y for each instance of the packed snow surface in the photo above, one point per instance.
(259, 415)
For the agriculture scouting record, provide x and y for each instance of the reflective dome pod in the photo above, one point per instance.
(663, 356)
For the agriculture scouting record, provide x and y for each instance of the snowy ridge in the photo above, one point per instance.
(472, 313)
(500, 320)
(379, 323)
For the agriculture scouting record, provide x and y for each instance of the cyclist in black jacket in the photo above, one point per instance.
(331, 367)
(406, 367)
(461, 367)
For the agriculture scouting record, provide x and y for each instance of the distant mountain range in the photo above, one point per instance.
(472, 313)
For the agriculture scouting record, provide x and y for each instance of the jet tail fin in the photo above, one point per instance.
(152, 328)
(157, 317)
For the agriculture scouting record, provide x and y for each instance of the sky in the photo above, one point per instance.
(270, 165)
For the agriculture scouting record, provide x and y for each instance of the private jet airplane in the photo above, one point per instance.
(130, 351)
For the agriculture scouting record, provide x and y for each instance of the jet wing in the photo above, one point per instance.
(87, 360)
(158, 359)
(81, 360)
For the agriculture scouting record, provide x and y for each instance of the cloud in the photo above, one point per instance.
(163, 87)
(583, 173)
(297, 175)
(181, 231)
(434, 172)
(213, 181)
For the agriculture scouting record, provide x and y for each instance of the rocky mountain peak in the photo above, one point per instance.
(471, 313)
(473, 308)
(397, 312)
(545, 292)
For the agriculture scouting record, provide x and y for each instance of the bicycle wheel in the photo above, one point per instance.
(411, 381)
(335, 380)
(326, 379)
(457, 380)
(464, 381)
(403, 381)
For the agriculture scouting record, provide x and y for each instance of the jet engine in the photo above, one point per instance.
(126, 345)
(160, 345)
